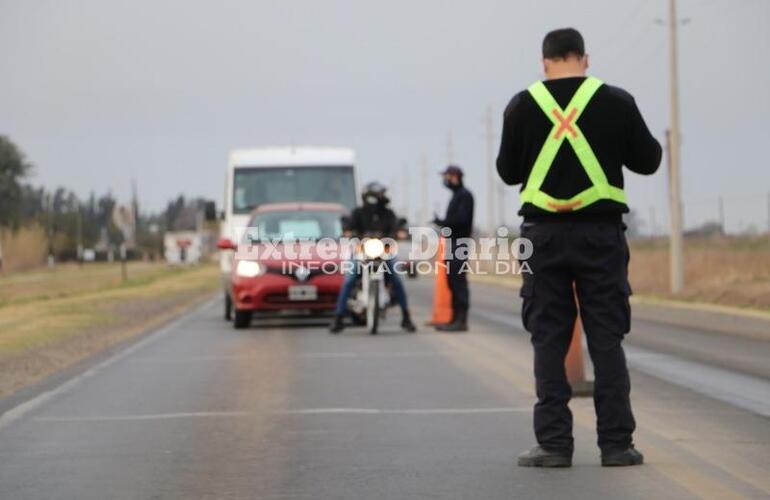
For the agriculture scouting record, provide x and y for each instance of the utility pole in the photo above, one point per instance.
(490, 172)
(721, 215)
(80, 235)
(49, 231)
(768, 213)
(423, 190)
(675, 201)
(501, 208)
(653, 224)
(407, 195)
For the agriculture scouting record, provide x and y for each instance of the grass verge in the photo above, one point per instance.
(44, 328)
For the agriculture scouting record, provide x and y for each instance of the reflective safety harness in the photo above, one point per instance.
(565, 126)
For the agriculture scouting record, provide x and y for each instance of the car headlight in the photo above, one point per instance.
(249, 268)
(373, 248)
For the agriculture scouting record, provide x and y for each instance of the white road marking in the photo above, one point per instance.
(331, 411)
(300, 411)
(22, 409)
(308, 355)
(406, 411)
(156, 416)
(460, 411)
(405, 354)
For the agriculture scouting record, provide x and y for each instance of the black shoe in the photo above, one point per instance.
(337, 325)
(459, 323)
(539, 457)
(454, 326)
(629, 456)
(407, 325)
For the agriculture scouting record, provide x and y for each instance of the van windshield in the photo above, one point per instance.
(294, 225)
(254, 186)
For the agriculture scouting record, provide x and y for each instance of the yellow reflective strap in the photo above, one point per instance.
(588, 159)
(584, 94)
(565, 126)
(550, 148)
(580, 200)
(545, 100)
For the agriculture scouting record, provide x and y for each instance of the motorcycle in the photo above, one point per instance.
(372, 298)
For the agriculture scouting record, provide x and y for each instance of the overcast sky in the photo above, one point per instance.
(97, 92)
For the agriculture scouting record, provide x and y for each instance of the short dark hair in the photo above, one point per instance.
(561, 43)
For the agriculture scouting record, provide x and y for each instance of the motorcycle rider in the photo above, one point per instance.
(373, 219)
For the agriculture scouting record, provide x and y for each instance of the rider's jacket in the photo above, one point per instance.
(372, 219)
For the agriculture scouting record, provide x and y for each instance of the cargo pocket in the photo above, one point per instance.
(527, 293)
(626, 292)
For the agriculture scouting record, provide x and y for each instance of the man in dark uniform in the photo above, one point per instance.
(458, 218)
(373, 219)
(566, 140)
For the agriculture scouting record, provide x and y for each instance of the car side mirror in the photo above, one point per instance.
(225, 244)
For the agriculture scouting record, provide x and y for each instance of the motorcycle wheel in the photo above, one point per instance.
(373, 307)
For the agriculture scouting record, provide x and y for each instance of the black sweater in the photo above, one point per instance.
(613, 127)
(459, 213)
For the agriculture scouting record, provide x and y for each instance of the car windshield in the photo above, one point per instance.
(295, 225)
(255, 186)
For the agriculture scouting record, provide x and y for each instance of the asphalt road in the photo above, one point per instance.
(199, 410)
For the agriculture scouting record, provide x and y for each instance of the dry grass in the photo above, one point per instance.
(732, 271)
(41, 332)
(38, 320)
(728, 271)
(66, 280)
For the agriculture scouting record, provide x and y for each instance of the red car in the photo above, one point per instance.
(279, 266)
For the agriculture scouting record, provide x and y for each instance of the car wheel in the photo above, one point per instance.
(228, 307)
(242, 319)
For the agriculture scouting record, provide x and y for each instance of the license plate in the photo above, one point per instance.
(303, 292)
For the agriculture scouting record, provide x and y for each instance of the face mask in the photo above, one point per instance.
(447, 183)
(371, 200)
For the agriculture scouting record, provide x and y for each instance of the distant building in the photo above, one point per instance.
(186, 247)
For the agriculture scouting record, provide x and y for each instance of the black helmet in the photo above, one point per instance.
(374, 192)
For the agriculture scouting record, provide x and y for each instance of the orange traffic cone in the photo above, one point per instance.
(442, 295)
(574, 364)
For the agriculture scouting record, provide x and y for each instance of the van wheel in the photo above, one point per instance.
(228, 307)
(242, 319)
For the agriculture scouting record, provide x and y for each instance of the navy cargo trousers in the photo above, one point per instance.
(593, 258)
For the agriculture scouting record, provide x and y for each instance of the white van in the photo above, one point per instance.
(284, 174)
